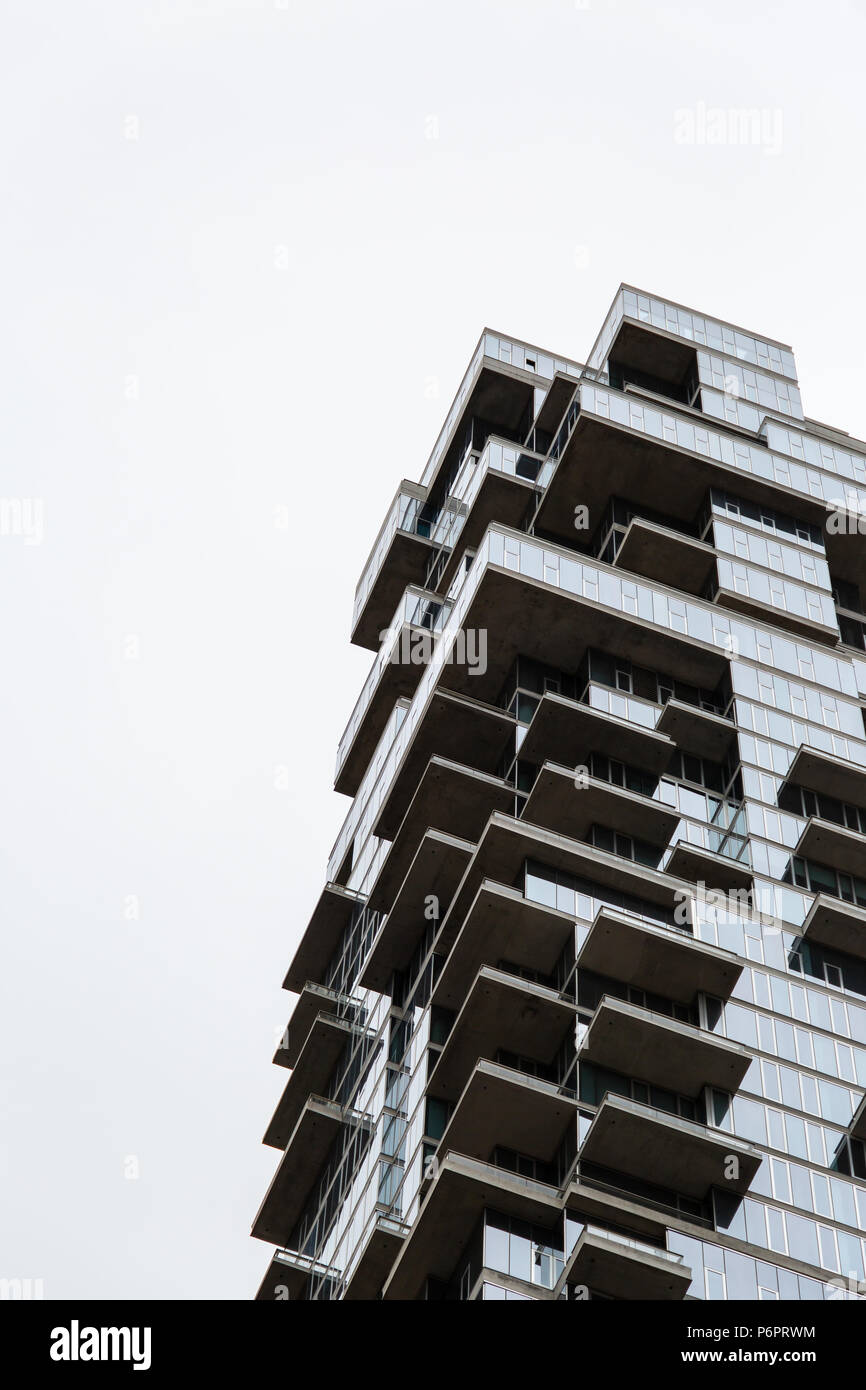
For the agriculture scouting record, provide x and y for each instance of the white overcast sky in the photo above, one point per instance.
(240, 310)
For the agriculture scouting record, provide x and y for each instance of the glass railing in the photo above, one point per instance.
(403, 515)
(417, 608)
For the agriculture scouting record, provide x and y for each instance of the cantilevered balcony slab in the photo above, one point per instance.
(501, 497)
(571, 731)
(398, 558)
(556, 802)
(828, 775)
(662, 1051)
(658, 959)
(503, 1107)
(450, 1212)
(857, 1127)
(658, 1148)
(833, 845)
(502, 926)
(376, 1260)
(434, 873)
(609, 1264)
(501, 1012)
(717, 871)
(458, 729)
(770, 616)
(397, 680)
(526, 616)
(696, 731)
(506, 844)
(837, 924)
(555, 403)
(450, 797)
(313, 1000)
(286, 1276)
(604, 458)
(332, 914)
(306, 1152)
(666, 556)
(313, 1070)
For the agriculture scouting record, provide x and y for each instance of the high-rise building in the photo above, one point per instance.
(582, 1006)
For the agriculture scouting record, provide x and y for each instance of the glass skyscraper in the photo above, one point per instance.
(581, 1010)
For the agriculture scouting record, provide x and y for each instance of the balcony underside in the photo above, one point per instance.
(501, 396)
(528, 617)
(307, 1150)
(716, 871)
(837, 924)
(696, 731)
(460, 730)
(502, 926)
(375, 1262)
(398, 680)
(434, 873)
(557, 803)
(770, 616)
(405, 563)
(555, 403)
(662, 1149)
(610, 1267)
(662, 1051)
(506, 844)
(312, 1072)
(604, 459)
(665, 556)
(452, 798)
(450, 1212)
(331, 916)
(502, 1107)
(572, 731)
(833, 845)
(657, 959)
(313, 1000)
(501, 1011)
(501, 498)
(286, 1277)
(828, 775)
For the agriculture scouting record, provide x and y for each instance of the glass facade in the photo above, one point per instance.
(614, 1047)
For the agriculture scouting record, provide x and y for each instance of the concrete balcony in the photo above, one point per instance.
(398, 558)
(771, 616)
(857, 1128)
(650, 1047)
(841, 926)
(696, 731)
(660, 960)
(718, 872)
(502, 925)
(665, 556)
(394, 675)
(312, 1072)
(573, 731)
(828, 775)
(332, 914)
(557, 803)
(501, 1107)
(306, 1153)
(503, 1012)
(833, 845)
(616, 1267)
(287, 1276)
(313, 1000)
(450, 1212)
(450, 727)
(546, 619)
(659, 1148)
(612, 451)
(505, 846)
(380, 1249)
(438, 867)
(452, 798)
